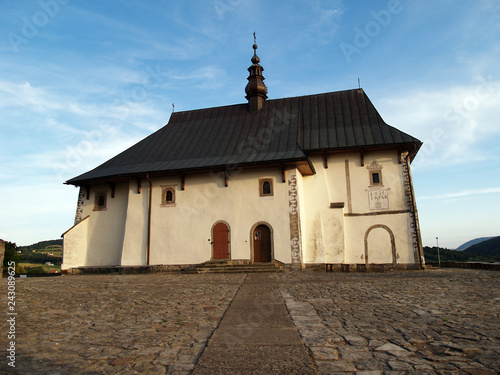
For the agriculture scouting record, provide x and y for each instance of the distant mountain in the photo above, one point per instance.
(472, 242)
(486, 248)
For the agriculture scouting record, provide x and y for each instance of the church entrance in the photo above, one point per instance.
(220, 237)
(262, 244)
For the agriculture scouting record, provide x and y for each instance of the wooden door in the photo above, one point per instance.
(221, 241)
(262, 244)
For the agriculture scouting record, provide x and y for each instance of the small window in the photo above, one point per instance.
(168, 196)
(100, 202)
(375, 170)
(266, 187)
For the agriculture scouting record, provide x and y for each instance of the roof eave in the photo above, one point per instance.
(304, 163)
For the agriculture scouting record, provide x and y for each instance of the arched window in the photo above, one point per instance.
(100, 201)
(266, 187)
(168, 196)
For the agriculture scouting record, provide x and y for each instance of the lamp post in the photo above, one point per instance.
(439, 256)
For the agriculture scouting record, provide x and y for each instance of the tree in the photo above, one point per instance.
(11, 253)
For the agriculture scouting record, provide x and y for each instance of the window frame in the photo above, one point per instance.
(164, 191)
(97, 197)
(262, 181)
(375, 169)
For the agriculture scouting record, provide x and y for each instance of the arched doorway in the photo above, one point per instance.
(380, 245)
(220, 236)
(262, 250)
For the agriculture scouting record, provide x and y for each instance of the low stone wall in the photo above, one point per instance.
(472, 265)
(361, 267)
(124, 269)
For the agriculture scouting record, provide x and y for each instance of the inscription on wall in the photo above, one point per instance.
(379, 199)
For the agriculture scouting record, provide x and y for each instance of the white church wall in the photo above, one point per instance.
(391, 173)
(357, 227)
(181, 233)
(316, 199)
(106, 227)
(333, 234)
(75, 245)
(135, 241)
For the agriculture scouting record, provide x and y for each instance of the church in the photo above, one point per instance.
(310, 182)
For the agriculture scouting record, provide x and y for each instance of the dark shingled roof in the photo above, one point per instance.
(283, 131)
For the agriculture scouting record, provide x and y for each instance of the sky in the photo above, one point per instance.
(82, 81)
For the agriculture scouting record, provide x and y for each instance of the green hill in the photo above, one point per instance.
(446, 255)
(42, 245)
(489, 248)
(472, 242)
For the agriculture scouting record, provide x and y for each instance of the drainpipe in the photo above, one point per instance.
(149, 219)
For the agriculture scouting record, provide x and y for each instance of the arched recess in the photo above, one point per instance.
(221, 240)
(261, 240)
(381, 245)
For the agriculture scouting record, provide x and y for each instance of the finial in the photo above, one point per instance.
(255, 58)
(173, 107)
(256, 90)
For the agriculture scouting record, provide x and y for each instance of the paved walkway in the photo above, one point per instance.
(256, 335)
(417, 322)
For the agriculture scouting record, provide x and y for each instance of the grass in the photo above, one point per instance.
(47, 269)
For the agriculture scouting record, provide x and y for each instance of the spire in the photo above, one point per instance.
(256, 90)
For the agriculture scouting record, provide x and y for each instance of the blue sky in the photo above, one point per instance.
(82, 81)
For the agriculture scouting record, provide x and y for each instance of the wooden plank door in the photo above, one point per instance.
(221, 241)
(262, 244)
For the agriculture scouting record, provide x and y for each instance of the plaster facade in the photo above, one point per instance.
(336, 216)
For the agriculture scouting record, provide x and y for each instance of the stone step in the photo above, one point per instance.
(211, 267)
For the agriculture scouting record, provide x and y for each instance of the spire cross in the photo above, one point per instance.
(254, 38)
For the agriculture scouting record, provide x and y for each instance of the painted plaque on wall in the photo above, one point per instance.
(379, 199)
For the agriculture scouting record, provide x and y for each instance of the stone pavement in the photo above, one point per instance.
(256, 335)
(418, 322)
(415, 322)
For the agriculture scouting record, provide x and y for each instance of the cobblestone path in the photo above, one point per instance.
(416, 322)
(116, 324)
(419, 322)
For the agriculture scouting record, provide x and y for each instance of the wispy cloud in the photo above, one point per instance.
(454, 122)
(463, 194)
